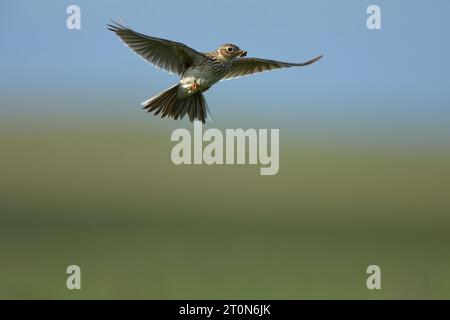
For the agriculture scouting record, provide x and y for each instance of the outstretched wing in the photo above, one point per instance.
(245, 66)
(169, 55)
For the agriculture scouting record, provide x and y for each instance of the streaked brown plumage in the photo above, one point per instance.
(198, 71)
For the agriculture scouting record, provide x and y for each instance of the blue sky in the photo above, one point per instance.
(395, 76)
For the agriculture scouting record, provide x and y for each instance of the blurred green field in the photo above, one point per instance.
(108, 198)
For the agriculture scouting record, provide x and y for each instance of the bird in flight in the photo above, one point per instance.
(198, 71)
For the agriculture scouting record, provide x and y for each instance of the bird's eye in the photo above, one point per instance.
(230, 50)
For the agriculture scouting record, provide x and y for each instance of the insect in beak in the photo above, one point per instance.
(242, 53)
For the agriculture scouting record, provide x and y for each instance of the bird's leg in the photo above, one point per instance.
(194, 86)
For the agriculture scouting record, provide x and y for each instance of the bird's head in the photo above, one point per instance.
(230, 51)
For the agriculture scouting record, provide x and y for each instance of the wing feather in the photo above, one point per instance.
(171, 56)
(246, 66)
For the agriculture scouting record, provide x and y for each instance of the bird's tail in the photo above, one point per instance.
(169, 105)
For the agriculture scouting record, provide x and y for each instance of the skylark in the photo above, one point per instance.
(198, 71)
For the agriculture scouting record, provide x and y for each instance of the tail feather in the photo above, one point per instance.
(191, 108)
(150, 104)
(181, 112)
(169, 105)
(202, 111)
(160, 104)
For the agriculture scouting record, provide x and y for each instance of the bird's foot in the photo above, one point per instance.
(194, 87)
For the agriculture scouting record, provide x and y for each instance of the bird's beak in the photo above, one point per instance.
(242, 53)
